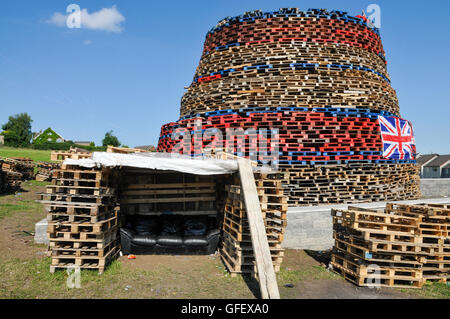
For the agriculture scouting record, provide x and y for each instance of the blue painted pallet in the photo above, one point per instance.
(348, 112)
(292, 12)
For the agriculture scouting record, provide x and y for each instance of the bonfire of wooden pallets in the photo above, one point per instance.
(237, 251)
(351, 183)
(401, 246)
(319, 82)
(82, 216)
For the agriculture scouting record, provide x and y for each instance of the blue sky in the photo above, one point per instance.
(84, 82)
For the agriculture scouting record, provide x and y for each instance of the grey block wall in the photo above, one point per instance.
(435, 187)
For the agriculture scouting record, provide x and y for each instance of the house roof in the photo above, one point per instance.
(41, 132)
(422, 159)
(439, 161)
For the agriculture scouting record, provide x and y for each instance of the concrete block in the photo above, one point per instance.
(435, 187)
(40, 232)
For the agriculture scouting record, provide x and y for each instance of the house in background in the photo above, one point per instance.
(47, 136)
(446, 171)
(2, 140)
(437, 166)
(425, 159)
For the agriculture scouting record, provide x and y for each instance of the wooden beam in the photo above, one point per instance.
(266, 273)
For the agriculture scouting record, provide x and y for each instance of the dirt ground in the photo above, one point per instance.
(24, 270)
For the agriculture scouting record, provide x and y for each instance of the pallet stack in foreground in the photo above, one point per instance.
(434, 231)
(82, 218)
(402, 246)
(237, 250)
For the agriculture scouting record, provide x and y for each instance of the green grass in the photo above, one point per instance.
(285, 276)
(7, 209)
(35, 183)
(36, 155)
(31, 279)
(431, 290)
(36, 280)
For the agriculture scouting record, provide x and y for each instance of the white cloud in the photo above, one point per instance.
(87, 42)
(106, 19)
(58, 19)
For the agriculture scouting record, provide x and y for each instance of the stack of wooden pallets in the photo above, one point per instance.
(72, 154)
(45, 169)
(401, 246)
(237, 250)
(82, 217)
(12, 181)
(22, 165)
(434, 233)
(351, 183)
(15, 170)
(145, 192)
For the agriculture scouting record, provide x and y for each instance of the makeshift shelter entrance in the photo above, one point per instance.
(164, 203)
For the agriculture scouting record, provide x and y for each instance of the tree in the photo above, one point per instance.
(17, 130)
(110, 139)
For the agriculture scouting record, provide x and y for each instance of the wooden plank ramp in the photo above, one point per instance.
(267, 279)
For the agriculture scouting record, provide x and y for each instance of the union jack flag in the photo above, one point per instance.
(398, 138)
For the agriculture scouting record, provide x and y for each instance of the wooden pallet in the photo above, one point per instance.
(82, 218)
(406, 260)
(85, 262)
(425, 247)
(365, 276)
(80, 190)
(237, 250)
(82, 227)
(239, 269)
(86, 250)
(83, 236)
(63, 155)
(144, 192)
(47, 198)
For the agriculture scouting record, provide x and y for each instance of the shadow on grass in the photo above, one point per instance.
(323, 256)
(253, 285)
